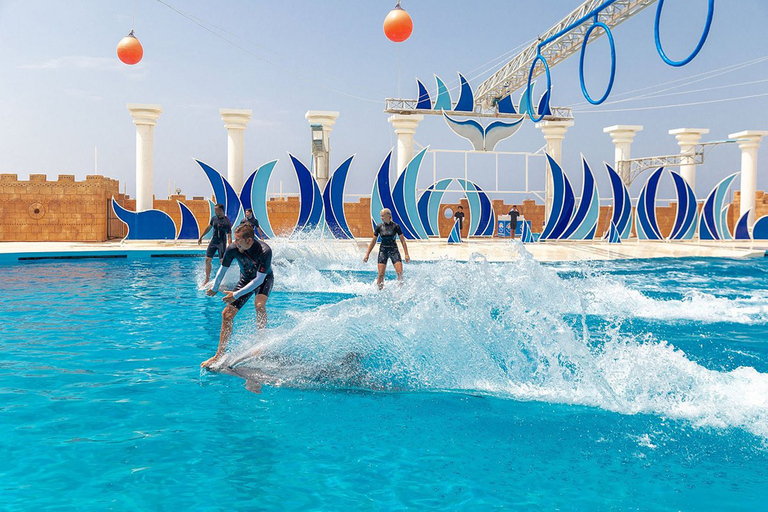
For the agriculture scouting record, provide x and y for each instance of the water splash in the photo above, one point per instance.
(516, 330)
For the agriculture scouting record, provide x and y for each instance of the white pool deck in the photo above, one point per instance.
(431, 250)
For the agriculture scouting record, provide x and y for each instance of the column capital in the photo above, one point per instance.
(749, 138)
(623, 133)
(554, 129)
(405, 123)
(144, 114)
(327, 118)
(688, 136)
(235, 119)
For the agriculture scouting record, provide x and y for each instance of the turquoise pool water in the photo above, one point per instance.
(621, 385)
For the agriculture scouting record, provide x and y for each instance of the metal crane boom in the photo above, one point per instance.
(514, 74)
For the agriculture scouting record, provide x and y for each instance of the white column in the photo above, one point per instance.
(622, 136)
(554, 133)
(235, 121)
(405, 126)
(145, 118)
(687, 138)
(321, 150)
(748, 142)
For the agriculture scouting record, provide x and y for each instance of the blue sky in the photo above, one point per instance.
(63, 91)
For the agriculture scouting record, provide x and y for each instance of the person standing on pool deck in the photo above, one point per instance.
(222, 230)
(256, 278)
(513, 215)
(388, 230)
(459, 216)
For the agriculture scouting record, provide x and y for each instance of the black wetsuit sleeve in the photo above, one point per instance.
(397, 230)
(377, 230)
(265, 266)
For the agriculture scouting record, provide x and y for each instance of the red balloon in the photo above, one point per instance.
(129, 50)
(398, 25)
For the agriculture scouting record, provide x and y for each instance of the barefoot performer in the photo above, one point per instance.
(389, 232)
(255, 259)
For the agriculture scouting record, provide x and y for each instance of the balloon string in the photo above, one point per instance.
(399, 70)
(133, 20)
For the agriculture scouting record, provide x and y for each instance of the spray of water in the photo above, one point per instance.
(514, 330)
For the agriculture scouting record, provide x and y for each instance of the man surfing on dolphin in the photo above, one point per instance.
(256, 278)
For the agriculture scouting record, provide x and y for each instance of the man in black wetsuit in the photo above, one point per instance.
(388, 231)
(514, 213)
(222, 236)
(459, 216)
(251, 220)
(256, 278)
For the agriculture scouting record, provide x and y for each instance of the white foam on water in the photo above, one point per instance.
(516, 330)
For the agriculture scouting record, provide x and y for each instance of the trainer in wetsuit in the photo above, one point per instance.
(222, 237)
(251, 220)
(388, 231)
(256, 278)
(514, 213)
(459, 216)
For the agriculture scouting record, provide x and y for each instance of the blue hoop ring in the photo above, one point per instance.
(678, 63)
(581, 63)
(529, 106)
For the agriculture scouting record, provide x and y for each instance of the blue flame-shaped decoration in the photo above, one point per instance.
(645, 213)
(742, 227)
(424, 102)
(482, 218)
(563, 201)
(310, 199)
(333, 200)
(687, 210)
(760, 229)
(381, 197)
(146, 225)
(443, 101)
(454, 237)
(254, 196)
(466, 101)
(526, 236)
(584, 222)
(711, 223)
(189, 229)
(612, 235)
(404, 196)
(224, 193)
(505, 105)
(429, 206)
(622, 207)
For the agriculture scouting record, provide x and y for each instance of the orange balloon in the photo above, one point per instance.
(398, 25)
(129, 50)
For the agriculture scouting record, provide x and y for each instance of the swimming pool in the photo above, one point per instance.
(629, 384)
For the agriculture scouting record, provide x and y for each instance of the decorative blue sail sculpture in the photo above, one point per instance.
(454, 237)
(645, 214)
(224, 193)
(310, 198)
(333, 200)
(584, 222)
(189, 228)
(622, 207)
(711, 223)
(687, 210)
(254, 196)
(146, 225)
(563, 201)
(429, 206)
(742, 227)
